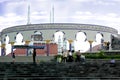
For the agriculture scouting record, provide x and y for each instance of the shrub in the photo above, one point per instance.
(57, 56)
(101, 55)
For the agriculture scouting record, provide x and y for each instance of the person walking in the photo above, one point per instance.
(34, 55)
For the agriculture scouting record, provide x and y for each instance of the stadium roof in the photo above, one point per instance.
(26, 46)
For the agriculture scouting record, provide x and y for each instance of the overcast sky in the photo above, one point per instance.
(99, 12)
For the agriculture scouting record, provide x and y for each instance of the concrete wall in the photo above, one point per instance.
(48, 35)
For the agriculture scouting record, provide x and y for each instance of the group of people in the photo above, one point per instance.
(67, 56)
(70, 56)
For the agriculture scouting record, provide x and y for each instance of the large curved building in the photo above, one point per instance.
(45, 32)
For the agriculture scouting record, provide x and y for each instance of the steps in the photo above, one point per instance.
(59, 71)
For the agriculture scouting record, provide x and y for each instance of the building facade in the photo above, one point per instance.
(44, 34)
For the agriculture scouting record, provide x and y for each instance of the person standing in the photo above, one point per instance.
(70, 58)
(65, 54)
(78, 55)
(34, 55)
(74, 55)
(13, 56)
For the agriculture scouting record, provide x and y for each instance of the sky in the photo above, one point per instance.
(98, 12)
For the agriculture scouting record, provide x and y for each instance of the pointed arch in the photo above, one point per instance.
(99, 36)
(6, 39)
(81, 41)
(58, 34)
(98, 43)
(81, 36)
(19, 38)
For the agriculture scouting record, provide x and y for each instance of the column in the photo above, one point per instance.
(47, 47)
(70, 44)
(3, 50)
(59, 46)
(90, 41)
(105, 43)
(27, 43)
(64, 44)
(102, 41)
(12, 43)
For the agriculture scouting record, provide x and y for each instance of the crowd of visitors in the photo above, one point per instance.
(71, 56)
